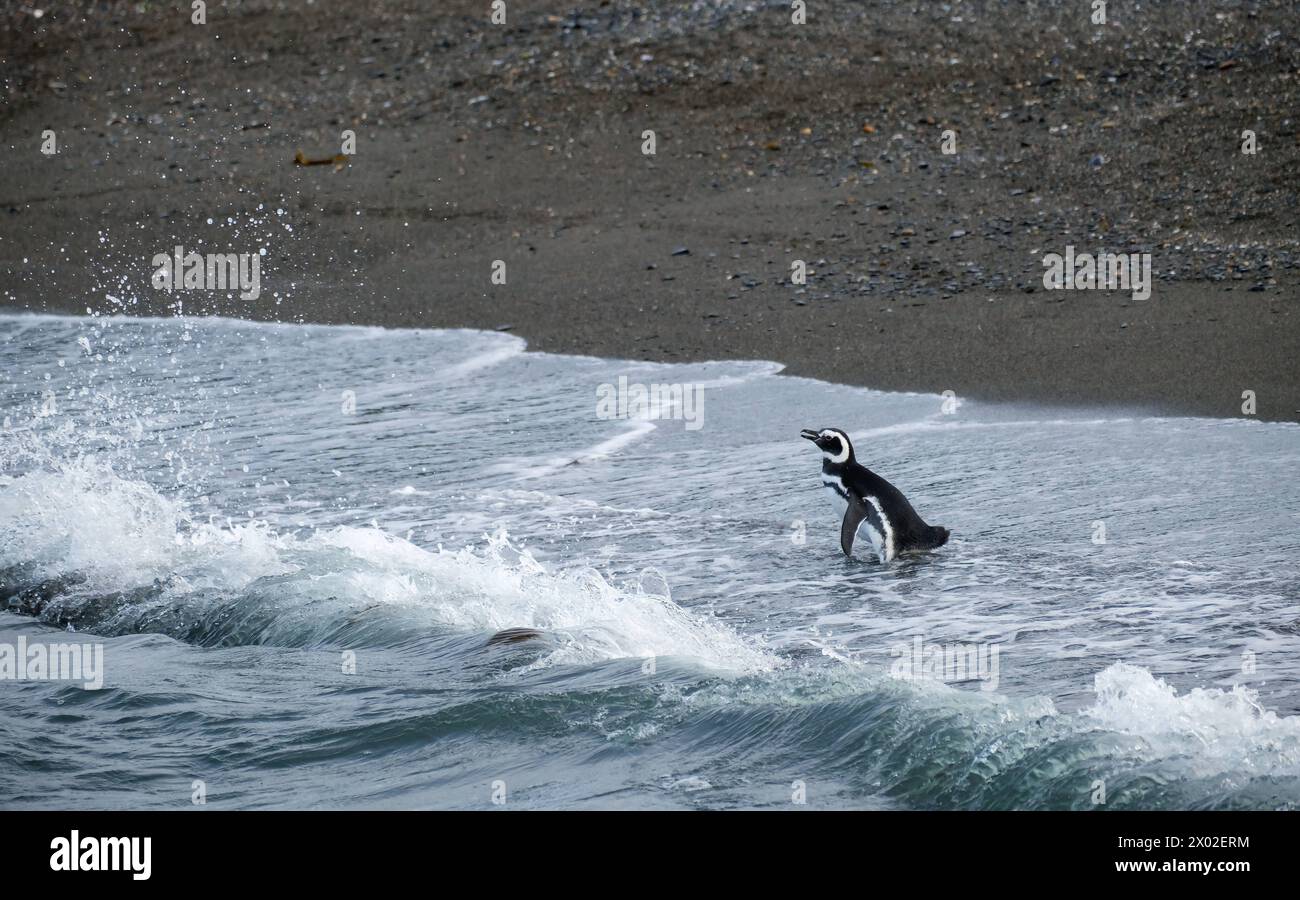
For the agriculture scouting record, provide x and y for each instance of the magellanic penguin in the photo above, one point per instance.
(863, 497)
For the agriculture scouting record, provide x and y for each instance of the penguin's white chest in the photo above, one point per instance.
(882, 542)
(834, 488)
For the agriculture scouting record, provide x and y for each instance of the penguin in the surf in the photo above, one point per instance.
(861, 497)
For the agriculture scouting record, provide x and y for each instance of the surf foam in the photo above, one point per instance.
(114, 535)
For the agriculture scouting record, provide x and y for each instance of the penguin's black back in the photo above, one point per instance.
(910, 531)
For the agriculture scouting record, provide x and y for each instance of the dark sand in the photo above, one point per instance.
(776, 142)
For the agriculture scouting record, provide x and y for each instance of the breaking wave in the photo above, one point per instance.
(86, 548)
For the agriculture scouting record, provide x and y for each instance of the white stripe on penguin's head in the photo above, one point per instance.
(835, 445)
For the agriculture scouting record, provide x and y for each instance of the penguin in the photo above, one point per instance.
(861, 496)
(513, 636)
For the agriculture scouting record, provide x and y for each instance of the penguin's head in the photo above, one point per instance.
(832, 442)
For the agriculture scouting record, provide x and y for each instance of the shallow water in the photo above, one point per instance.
(237, 511)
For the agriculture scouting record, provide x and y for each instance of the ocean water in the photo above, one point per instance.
(295, 543)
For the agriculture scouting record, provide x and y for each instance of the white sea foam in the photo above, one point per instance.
(86, 519)
(120, 534)
(629, 434)
(499, 587)
(1220, 730)
(511, 347)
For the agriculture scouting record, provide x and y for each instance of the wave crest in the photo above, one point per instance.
(84, 547)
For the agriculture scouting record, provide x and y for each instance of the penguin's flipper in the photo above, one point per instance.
(860, 511)
(853, 517)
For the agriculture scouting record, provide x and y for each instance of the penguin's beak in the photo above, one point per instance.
(809, 435)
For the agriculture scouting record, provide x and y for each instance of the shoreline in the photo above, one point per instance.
(1043, 405)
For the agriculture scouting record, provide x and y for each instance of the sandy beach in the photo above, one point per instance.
(774, 143)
